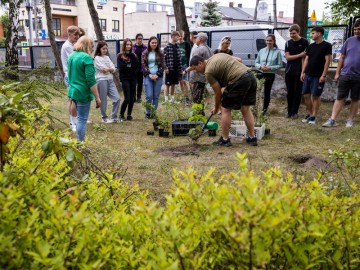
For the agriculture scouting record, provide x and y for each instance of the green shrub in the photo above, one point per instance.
(51, 219)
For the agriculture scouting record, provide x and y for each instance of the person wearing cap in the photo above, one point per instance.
(239, 92)
(197, 79)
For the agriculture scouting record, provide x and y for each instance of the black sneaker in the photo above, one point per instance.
(122, 118)
(129, 118)
(223, 142)
(306, 119)
(251, 141)
(147, 116)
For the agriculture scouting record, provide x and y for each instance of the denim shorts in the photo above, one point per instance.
(347, 84)
(312, 86)
(242, 92)
(184, 77)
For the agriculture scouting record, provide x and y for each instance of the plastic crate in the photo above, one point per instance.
(182, 127)
(238, 129)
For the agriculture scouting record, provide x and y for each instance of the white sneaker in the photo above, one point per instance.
(349, 123)
(73, 127)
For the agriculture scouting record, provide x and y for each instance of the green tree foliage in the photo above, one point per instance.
(210, 14)
(4, 20)
(341, 10)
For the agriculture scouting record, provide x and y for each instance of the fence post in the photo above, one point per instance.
(32, 63)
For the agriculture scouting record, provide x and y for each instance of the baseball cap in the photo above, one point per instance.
(202, 35)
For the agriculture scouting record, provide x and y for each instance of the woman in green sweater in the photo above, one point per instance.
(268, 61)
(82, 82)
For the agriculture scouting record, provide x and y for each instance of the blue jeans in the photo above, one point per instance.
(152, 91)
(83, 110)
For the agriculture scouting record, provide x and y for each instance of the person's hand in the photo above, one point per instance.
(167, 71)
(336, 78)
(98, 102)
(215, 111)
(302, 76)
(322, 79)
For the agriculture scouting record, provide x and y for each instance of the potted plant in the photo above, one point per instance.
(181, 127)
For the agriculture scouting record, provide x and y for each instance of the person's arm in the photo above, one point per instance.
(100, 65)
(161, 65)
(339, 66)
(302, 76)
(257, 61)
(144, 64)
(295, 56)
(326, 68)
(95, 92)
(217, 90)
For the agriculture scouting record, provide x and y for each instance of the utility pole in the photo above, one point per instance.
(29, 11)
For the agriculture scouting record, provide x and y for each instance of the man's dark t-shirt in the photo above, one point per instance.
(293, 48)
(316, 58)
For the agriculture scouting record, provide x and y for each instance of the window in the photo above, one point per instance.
(56, 25)
(114, 8)
(21, 25)
(115, 26)
(102, 24)
(99, 7)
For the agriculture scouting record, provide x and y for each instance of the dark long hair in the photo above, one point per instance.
(272, 36)
(100, 44)
(157, 49)
(123, 46)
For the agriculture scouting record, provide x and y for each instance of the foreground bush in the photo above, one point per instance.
(49, 219)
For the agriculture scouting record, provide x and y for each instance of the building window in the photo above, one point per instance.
(99, 7)
(56, 25)
(115, 26)
(21, 25)
(114, 8)
(102, 24)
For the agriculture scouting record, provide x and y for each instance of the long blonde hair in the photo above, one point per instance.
(84, 44)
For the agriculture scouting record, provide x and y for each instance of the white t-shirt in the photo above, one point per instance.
(66, 50)
(101, 62)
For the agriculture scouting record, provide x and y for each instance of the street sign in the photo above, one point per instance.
(24, 45)
(43, 34)
(317, 23)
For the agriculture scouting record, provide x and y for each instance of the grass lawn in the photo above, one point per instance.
(126, 150)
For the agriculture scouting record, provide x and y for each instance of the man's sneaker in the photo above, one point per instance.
(122, 119)
(73, 127)
(306, 119)
(106, 120)
(295, 116)
(223, 142)
(312, 120)
(251, 141)
(349, 123)
(330, 123)
(129, 118)
(147, 116)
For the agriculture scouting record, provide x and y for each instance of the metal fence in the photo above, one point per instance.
(244, 43)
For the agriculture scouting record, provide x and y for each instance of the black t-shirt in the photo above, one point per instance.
(316, 58)
(295, 47)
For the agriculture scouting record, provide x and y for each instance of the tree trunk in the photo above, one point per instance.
(275, 14)
(11, 41)
(180, 17)
(255, 11)
(52, 37)
(301, 9)
(100, 36)
(95, 19)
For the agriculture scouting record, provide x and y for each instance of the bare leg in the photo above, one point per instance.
(184, 88)
(337, 108)
(249, 120)
(172, 90)
(353, 109)
(225, 122)
(308, 104)
(315, 100)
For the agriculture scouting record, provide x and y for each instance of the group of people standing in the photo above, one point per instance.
(233, 83)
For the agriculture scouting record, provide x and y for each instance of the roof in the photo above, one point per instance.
(234, 13)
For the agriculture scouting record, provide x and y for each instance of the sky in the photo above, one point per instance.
(282, 5)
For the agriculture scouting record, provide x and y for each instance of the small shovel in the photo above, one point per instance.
(198, 133)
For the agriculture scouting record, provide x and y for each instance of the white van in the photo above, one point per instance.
(246, 40)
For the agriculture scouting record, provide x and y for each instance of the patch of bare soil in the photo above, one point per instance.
(310, 161)
(181, 150)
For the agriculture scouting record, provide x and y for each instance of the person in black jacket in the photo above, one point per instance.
(128, 64)
(185, 50)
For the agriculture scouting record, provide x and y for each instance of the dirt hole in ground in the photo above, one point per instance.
(181, 150)
(310, 161)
